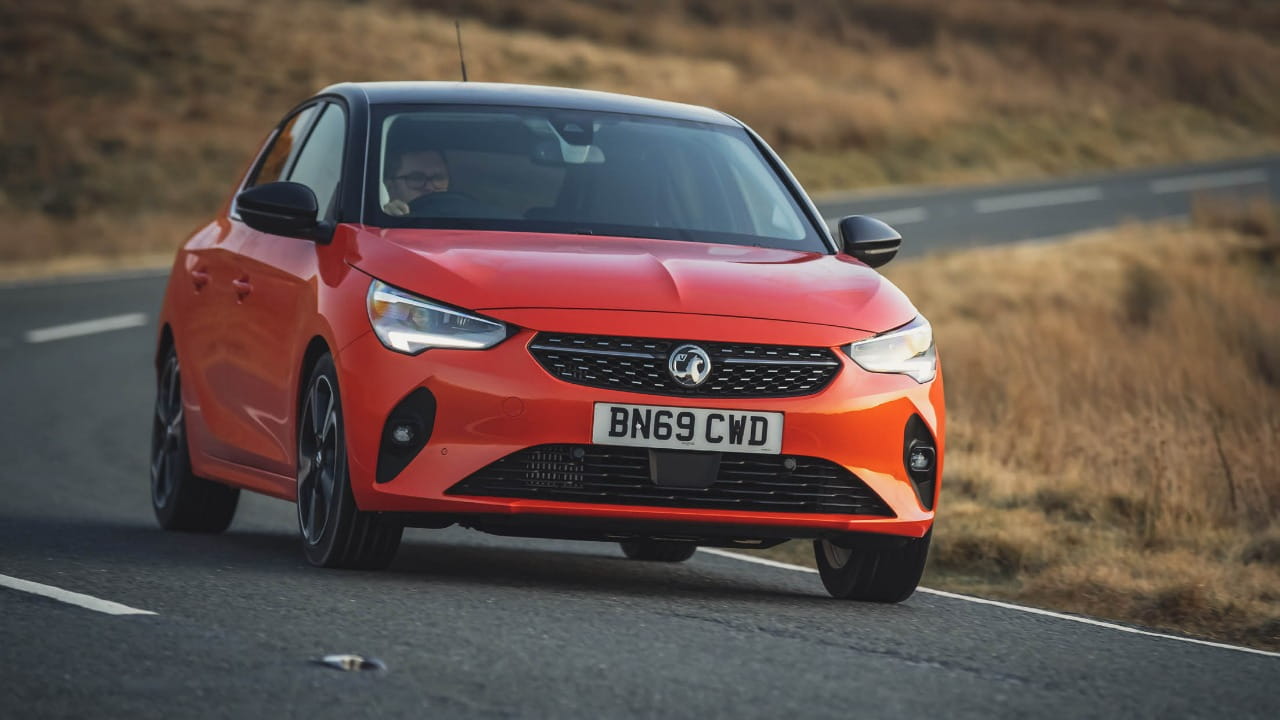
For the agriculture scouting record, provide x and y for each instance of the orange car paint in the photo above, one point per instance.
(249, 305)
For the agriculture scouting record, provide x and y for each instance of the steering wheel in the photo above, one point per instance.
(445, 203)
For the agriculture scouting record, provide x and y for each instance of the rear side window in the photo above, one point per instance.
(284, 148)
(319, 165)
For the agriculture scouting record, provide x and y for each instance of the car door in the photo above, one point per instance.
(275, 288)
(201, 292)
(216, 347)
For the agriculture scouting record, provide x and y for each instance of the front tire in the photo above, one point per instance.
(658, 550)
(335, 533)
(182, 501)
(874, 569)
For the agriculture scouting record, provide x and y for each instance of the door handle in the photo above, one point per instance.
(243, 287)
(199, 278)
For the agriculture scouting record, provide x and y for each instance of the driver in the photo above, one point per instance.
(412, 173)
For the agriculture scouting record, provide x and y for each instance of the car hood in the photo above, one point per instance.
(486, 270)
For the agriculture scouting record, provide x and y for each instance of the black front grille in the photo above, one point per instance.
(620, 476)
(738, 370)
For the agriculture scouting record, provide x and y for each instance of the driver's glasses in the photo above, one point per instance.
(421, 180)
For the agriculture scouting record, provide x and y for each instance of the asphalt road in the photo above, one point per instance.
(958, 218)
(473, 626)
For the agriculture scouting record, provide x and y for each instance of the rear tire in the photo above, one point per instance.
(335, 533)
(658, 550)
(874, 569)
(182, 501)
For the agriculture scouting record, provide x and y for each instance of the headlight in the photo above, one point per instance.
(908, 350)
(410, 324)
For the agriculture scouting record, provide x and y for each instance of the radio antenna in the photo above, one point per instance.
(462, 60)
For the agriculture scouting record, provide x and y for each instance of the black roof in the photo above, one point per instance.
(475, 93)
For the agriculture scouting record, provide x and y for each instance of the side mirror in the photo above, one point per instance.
(280, 208)
(869, 240)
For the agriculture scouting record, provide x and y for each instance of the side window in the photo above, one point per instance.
(319, 165)
(283, 148)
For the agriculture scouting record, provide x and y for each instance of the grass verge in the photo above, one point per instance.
(1114, 409)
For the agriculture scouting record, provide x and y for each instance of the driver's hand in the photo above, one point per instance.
(396, 207)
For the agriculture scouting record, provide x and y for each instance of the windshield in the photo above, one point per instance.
(561, 171)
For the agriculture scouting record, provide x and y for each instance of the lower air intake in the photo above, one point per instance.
(621, 476)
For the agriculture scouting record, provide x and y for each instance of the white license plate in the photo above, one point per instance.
(681, 428)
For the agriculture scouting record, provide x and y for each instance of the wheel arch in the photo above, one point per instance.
(317, 347)
(162, 346)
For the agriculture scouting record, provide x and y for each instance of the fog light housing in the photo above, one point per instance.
(406, 431)
(920, 458)
(403, 434)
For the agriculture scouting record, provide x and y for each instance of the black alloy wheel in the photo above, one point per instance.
(317, 459)
(658, 550)
(181, 500)
(872, 568)
(335, 533)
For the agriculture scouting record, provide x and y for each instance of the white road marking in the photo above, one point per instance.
(902, 216)
(898, 216)
(1045, 198)
(757, 560)
(74, 598)
(88, 327)
(1007, 606)
(1206, 181)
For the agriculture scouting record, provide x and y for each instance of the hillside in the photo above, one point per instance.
(125, 122)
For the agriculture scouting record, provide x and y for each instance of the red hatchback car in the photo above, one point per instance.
(547, 313)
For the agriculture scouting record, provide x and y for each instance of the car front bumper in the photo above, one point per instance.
(492, 403)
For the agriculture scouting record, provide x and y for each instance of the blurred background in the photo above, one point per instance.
(1114, 399)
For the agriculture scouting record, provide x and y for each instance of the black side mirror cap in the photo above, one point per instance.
(280, 208)
(870, 240)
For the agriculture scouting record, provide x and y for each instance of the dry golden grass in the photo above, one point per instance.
(40, 246)
(1114, 423)
(129, 108)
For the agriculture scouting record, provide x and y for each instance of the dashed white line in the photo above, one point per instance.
(73, 598)
(899, 216)
(1207, 181)
(1045, 198)
(87, 327)
(902, 216)
(1008, 606)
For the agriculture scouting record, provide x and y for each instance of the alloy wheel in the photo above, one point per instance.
(167, 439)
(318, 459)
(836, 555)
